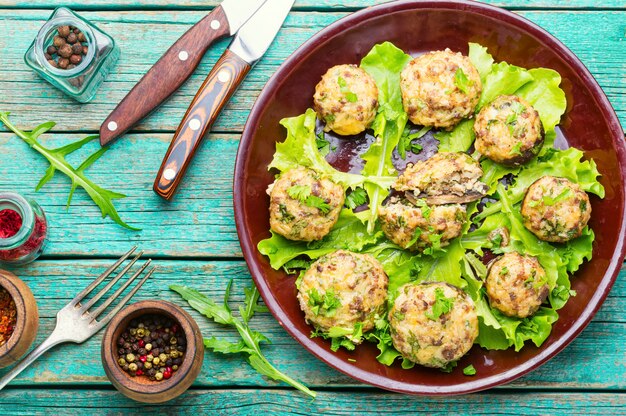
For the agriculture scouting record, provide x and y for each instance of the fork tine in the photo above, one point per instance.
(101, 278)
(109, 285)
(118, 292)
(126, 298)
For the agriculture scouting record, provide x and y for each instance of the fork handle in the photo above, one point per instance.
(50, 342)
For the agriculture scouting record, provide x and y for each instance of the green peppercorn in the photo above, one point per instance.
(130, 357)
(133, 332)
(175, 367)
(174, 354)
(132, 367)
(148, 347)
(162, 357)
(141, 325)
(140, 333)
(149, 358)
(158, 376)
(121, 362)
(156, 361)
(147, 365)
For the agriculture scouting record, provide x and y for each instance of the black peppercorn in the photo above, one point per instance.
(58, 41)
(63, 63)
(155, 352)
(64, 31)
(127, 345)
(77, 49)
(65, 51)
(169, 362)
(76, 59)
(142, 351)
(121, 351)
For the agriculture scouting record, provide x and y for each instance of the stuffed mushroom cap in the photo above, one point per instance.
(509, 131)
(444, 178)
(303, 205)
(422, 226)
(433, 324)
(516, 285)
(343, 289)
(440, 89)
(556, 209)
(346, 99)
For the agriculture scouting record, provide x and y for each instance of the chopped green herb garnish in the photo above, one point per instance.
(503, 271)
(441, 306)
(302, 193)
(548, 200)
(326, 304)
(323, 145)
(462, 81)
(517, 149)
(469, 370)
(343, 86)
(406, 141)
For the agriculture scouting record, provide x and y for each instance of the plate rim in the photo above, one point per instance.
(250, 251)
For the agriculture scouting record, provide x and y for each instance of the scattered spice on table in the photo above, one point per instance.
(10, 223)
(8, 316)
(151, 346)
(68, 48)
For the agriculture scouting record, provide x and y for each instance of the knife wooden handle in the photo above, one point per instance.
(214, 93)
(166, 76)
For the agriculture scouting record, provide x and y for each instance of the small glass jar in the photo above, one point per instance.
(21, 239)
(82, 81)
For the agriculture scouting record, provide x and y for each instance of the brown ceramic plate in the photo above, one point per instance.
(419, 26)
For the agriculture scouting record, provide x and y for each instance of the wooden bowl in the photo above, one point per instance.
(141, 388)
(589, 124)
(27, 323)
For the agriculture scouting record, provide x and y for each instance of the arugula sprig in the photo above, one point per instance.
(250, 339)
(56, 157)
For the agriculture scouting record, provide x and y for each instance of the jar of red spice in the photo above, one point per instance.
(23, 229)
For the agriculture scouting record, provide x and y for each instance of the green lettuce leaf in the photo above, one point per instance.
(349, 233)
(546, 97)
(504, 79)
(460, 139)
(384, 63)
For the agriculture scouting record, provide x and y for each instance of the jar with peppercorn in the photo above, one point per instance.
(23, 229)
(72, 54)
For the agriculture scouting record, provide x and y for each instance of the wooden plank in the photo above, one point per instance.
(278, 402)
(600, 346)
(299, 4)
(597, 38)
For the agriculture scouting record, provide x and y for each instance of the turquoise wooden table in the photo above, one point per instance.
(193, 238)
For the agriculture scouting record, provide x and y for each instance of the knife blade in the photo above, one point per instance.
(176, 66)
(248, 46)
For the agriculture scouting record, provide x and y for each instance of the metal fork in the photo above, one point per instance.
(75, 323)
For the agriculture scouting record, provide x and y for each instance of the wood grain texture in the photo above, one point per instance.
(596, 37)
(323, 5)
(221, 83)
(279, 402)
(595, 360)
(166, 76)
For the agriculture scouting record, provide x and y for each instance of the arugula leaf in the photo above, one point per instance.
(442, 305)
(250, 339)
(56, 157)
(384, 63)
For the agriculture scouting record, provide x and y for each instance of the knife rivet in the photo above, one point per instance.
(112, 126)
(223, 76)
(194, 124)
(169, 174)
(215, 24)
(183, 55)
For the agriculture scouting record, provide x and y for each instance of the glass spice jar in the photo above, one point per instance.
(79, 81)
(23, 229)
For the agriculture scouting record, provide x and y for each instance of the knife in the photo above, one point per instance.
(248, 46)
(176, 66)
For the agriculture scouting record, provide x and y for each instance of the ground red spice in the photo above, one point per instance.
(10, 223)
(8, 316)
(34, 242)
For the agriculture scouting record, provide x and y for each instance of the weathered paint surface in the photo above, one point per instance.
(194, 240)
